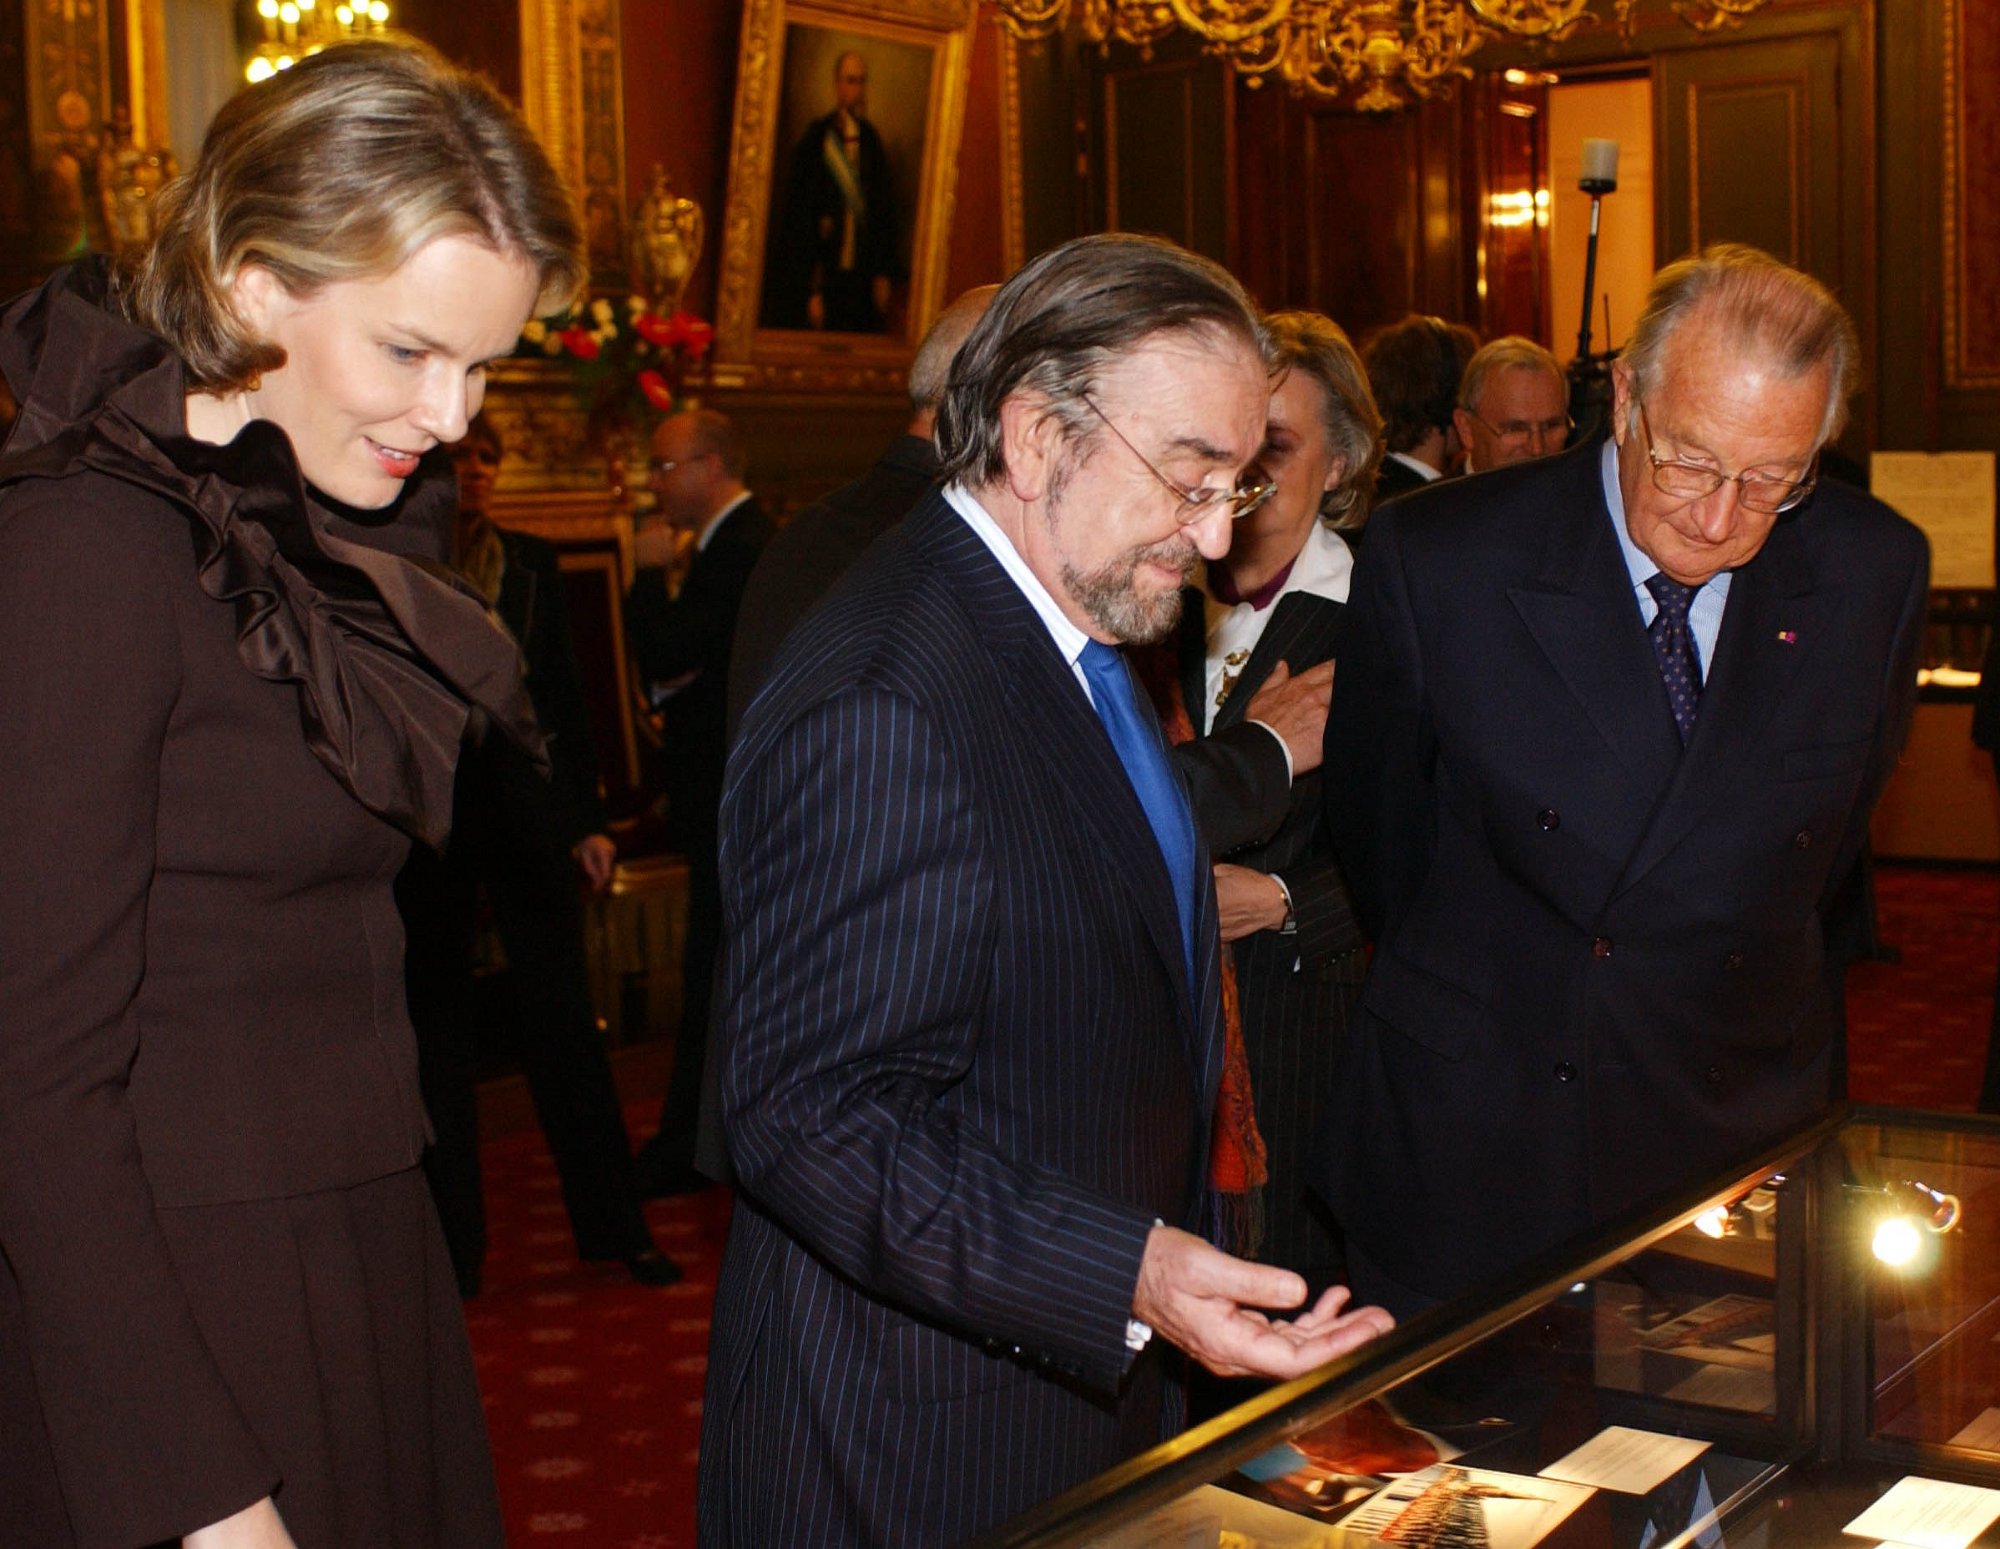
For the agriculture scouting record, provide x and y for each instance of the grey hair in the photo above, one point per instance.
(1314, 344)
(1509, 352)
(1055, 326)
(1779, 314)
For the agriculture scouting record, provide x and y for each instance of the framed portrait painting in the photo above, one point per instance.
(842, 169)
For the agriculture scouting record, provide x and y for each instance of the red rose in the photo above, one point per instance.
(654, 386)
(654, 329)
(581, 343)
(692, 333)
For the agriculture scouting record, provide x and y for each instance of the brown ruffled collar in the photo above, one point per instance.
(387, 648)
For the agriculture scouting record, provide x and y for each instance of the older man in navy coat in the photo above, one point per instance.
(973, 1035)
(1605, 738)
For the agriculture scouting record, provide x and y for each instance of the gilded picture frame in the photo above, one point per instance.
(807, 258)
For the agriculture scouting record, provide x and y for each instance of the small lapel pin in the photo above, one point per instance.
(1788, 637)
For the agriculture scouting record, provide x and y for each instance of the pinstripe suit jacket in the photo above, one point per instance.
(965, 1070)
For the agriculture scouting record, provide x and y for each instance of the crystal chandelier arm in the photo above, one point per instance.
(1141, 23)
(1374, 51)
(1441, 35)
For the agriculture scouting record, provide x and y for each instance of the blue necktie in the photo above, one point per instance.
(1673, 644)
(1135, 734)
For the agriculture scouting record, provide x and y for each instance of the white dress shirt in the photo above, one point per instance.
(1704, 613)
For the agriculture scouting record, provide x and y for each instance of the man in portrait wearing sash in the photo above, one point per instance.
(835, 255)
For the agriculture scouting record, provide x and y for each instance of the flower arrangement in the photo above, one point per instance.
(626, 362)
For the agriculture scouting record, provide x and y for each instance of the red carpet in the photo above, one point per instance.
(1917, 1028)
(593, 1385)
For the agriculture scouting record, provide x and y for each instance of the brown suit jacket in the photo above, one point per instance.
(210, 703)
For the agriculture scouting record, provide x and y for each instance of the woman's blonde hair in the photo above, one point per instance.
(342, 168)
(1315, 344)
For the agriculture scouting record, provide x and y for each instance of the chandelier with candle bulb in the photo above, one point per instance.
(1375, 53)
(294, 29)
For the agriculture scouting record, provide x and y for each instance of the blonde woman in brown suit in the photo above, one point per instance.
(233, 690)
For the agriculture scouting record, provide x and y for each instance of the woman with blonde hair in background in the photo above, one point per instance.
(1293, 948)
(237, 675)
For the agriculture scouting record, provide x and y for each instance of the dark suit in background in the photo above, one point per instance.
(1296, 990)
(812, 551)
(672, 637)
(1601, 964)
(1395, 477)
(946, 1189)
(512, 835)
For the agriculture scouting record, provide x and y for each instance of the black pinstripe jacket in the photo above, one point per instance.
(963, 1075)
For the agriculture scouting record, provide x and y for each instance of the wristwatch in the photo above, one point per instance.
(1291, 925)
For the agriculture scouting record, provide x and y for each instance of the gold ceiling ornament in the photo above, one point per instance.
(1705, 15)
(1551, 20)
(1702, 15)
(1376, 54)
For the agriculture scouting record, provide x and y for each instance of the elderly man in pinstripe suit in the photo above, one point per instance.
(973, 1036)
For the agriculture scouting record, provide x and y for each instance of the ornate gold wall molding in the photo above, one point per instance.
(1013, 196)
(69, 71)
(146, 26)
(573, 95)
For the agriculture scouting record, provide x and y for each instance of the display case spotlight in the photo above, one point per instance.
(1911, 1213)
(1897, 1241)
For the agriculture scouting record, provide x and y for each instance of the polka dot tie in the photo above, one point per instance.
(1680, 668)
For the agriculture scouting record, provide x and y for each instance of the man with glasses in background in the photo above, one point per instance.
(1513, 404)
(694, 557)
(972, 1026)
(1606, 734)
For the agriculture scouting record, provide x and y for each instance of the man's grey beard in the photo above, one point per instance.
(1107, 593)
(1114, 603)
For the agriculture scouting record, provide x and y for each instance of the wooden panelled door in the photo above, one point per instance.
(1748, 148)
(1163, 136)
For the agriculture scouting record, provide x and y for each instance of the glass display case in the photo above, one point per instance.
(1804, 1352)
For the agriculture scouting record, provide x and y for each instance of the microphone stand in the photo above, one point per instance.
(1590, 375)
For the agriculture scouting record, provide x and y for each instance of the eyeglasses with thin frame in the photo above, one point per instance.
(1756, 490)
(660, 467)
(1195, 503)
(1517, 432)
